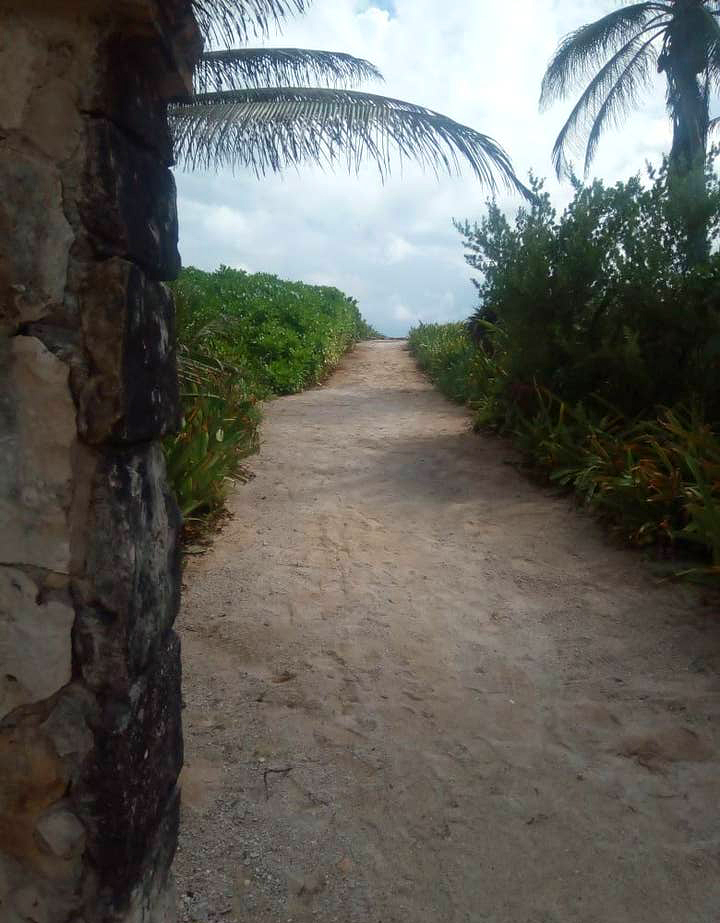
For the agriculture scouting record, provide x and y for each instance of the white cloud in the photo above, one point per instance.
(393, 246)
(404, 315)
(398, 249)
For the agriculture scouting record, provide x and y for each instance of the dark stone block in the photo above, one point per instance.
(126, 795)
(131, 392)
(130, 91)
(128, 202)
(130, 594)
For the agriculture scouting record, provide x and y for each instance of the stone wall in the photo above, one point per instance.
(90, 731)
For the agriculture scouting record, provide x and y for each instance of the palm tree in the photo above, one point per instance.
(618, 54)
(254, 108)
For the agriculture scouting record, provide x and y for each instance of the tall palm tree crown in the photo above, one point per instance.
(616, 57)
(257, 108)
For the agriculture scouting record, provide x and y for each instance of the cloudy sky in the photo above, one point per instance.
(393, 246)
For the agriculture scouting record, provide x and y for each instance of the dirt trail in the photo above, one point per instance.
(422, 690)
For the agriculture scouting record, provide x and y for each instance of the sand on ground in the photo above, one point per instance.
(420, 688)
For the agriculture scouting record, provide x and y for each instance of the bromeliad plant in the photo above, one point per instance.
(219, 424)
(219, 429)
(655, 481)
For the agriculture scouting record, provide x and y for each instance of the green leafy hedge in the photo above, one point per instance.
(283, 336)
(242, 339)
(600, 354)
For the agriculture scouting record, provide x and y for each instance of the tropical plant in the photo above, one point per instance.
(615, 57)
(252, 107)
(596, 300)
(281, 336)
(654, 480)
(599, 354)
(243, 338)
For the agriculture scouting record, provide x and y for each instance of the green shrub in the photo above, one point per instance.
(283, 336)
(446, 353)
(590, 346)
(596, 301)
(241, 339)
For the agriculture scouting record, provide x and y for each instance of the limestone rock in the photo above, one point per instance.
(37, 416)
(67, 725)
(35, 648)
(34, 778)
(128, 92)
(127, 795)
(60, 831)
(35, 239)
(19, 57)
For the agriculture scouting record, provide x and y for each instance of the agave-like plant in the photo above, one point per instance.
(270, 108)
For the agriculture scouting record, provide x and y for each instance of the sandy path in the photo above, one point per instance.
(421, 689)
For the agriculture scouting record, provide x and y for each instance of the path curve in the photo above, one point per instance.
(421, 689)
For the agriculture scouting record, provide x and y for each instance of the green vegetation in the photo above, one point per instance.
(615, 56)
(242, 339)
(599, 354)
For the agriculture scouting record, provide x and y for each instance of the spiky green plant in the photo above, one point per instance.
(614, 58)
(252, 108)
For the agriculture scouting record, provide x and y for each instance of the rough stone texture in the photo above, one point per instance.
(35, 648)
(131, 394)
(127, 792)
(130, 596)
(37, 415)
(41, 751)
(129, 202)
(90, 730)
(60, 832)
(35, 239)
(129, 92)
(18, 60)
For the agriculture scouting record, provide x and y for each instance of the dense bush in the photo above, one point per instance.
(283, 336)
(447, 354)
(241, 339)
(596, 301)
(599, 354)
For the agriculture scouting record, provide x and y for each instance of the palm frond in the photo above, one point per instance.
(712, 26)
(228, 21)
(586, 109)
(245, 68)
(581, 52)
(268, 129)
(623, 95)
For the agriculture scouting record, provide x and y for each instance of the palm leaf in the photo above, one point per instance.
(602, 86)
(245, 68)
(227, 21)
(268, 129)
(583, 51)
(713, 43)
(623, 96)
